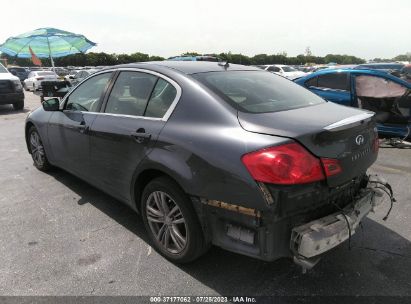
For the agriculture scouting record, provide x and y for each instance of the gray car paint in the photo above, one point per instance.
(200, 146)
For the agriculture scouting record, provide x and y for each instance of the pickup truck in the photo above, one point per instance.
(11, 90)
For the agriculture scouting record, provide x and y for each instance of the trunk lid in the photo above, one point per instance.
(327, 130)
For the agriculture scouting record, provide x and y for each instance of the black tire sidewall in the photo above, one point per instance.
(18, 105)
(195, 238)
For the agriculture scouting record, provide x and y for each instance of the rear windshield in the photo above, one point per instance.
(258, 91)
(3, 69)
(17, 69)
(288, 69)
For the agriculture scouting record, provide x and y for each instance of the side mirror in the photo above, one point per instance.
(72, 77)
(52, 104)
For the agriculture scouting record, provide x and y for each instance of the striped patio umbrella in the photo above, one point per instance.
(46, 43)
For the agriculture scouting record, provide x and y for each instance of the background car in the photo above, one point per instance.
(406, 72)
(374, 90)
(284, 70)
(11, 90)
(194, 58)
(211, 153)
(80, 76)
(35, 78)
(21, 73)
(385, 66)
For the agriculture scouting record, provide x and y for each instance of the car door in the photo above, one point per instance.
(68, 130)
(134, 113)
(335, 87)
(29, 80)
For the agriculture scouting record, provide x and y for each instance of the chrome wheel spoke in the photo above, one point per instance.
(158, 202)
(160, 233)
(174, 210)
(178, 239)
(154, 212)
(163, 202)
(166, 238)
(178, 221)
(33, 140)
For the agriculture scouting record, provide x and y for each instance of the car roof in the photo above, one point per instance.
(356, 71)
(189, 67)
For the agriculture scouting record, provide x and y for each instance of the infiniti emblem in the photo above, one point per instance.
(359, 140)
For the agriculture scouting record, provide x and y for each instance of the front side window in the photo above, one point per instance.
(288, 69)
(258, 91)
(335, 81)
(131, 93)
(86, 97)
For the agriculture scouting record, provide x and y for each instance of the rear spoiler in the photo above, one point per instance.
(349, 122)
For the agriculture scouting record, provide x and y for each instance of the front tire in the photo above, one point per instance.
(171, 222)
(18, 105)
(38, 153)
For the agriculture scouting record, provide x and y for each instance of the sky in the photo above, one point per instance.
(363, 28)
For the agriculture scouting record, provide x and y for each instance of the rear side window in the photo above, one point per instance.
(258, 91)
(161, 99)
(131, 93)
(312, 82)
(335, 81)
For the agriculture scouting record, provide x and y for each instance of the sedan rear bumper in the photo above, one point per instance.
(321, 235)
(304, 236)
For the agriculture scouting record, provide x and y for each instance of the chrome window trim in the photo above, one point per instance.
(159, 75)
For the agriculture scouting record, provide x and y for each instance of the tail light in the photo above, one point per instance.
(39, 78)
(289, 164)
(331, 166)
(286, 164)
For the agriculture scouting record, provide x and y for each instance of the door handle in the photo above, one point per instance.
(83, 128)
(140, 136)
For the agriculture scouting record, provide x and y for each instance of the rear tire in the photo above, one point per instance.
(37, 151)
(171, 222)
(18, 105)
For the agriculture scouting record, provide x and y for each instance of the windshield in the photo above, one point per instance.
(3, 69)
(258, 91)
(288, 69)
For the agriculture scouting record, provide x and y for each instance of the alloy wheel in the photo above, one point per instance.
(166, 222)
(37, 149)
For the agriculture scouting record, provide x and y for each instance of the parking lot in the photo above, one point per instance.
(60, 236)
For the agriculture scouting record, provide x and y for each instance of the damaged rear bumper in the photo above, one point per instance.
(312, 239)
(303, 227)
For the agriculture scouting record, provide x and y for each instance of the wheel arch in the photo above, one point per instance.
(144, 176)
(27, 127)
